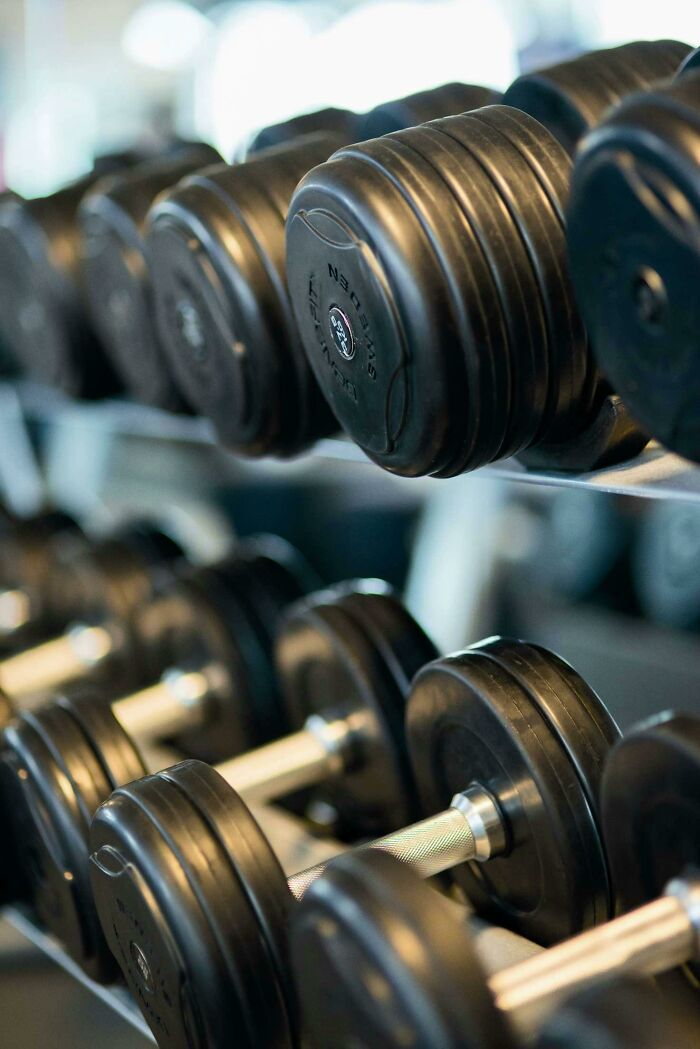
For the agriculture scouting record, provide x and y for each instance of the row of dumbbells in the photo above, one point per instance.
(546, 821)
(415, 289)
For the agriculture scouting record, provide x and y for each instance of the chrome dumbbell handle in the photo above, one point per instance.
(470, 829)
(175, 704)
(15, 611)
(647, 941)
(54, 663)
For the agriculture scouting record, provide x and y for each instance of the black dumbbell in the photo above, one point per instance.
(215, 627)
(355, 644)
(116, 269)
(341, 122)
(42, 306)
(690, 63)
(506, 730)
(433, 297)
(414, 978)
(30, 548)
(443, 101)
(216, 242)
(105, 586)
(571, 97)
(633, 234)
(626, 1013)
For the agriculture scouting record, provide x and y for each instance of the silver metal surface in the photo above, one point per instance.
(54, 663)
(647, 941)
(173, 705)
(431, 846)
(296, 761)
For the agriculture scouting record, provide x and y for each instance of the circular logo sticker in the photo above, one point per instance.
(341, 332)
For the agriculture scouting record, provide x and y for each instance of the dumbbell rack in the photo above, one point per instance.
(24, 407)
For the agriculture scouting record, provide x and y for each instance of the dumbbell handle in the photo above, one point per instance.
(647, 941)
(470, 829)
(15, 611)
(54, 663)
(178, 702)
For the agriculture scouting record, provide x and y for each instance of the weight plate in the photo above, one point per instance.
(482, 375)
(341, 122)
(544, 238)
(691, 63)
(469, 721)
(115, 269)
(115, 750)
(566, 105)
(217, 247)
(333, 659)
(520, 301)
(620, 1014)
(381, 962)
(58, 785)
(15, 882)
(193, 903)
(369, 296)
(651, 807)
(632, 276)
(44, 320)
(444, 101)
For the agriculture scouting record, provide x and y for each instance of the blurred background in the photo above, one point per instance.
(83, 76)
(611, 582)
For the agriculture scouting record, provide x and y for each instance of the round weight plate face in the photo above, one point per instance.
(381, 962)
(354, 245)
(651, 807)
(510, 266)
(15, 884)
(691, 63)
(618, 1015)
(58, 785)
(178, 900)
(633, 276)
(330, 662)
(469, 721)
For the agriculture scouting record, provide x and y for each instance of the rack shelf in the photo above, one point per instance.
(655, 474)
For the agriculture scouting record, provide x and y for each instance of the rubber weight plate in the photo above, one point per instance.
(571, 97)
(340, 122)
(44, 316)
(416, 109)
(352, 651)
(633, 274)
(619, 1014)
(58, 783)
(216, 243)
(380, 961)
(194, 906)
(691, 63)
(116, 270)
(471, 721)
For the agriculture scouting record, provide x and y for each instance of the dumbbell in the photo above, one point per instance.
(216, 242)
(105, 586)
(116, 269)
(571, 97)
(633, 232)
(30, 548)
(443, 101)
(626, 1013)
(341, 122)
(666, 564)
(42, 309)
(690, 63)
(194, 905)
(414, 978)
(355, 644)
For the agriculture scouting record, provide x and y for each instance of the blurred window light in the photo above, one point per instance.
(617, 21)
(50, 139)
(165, 35)
(272, 60)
